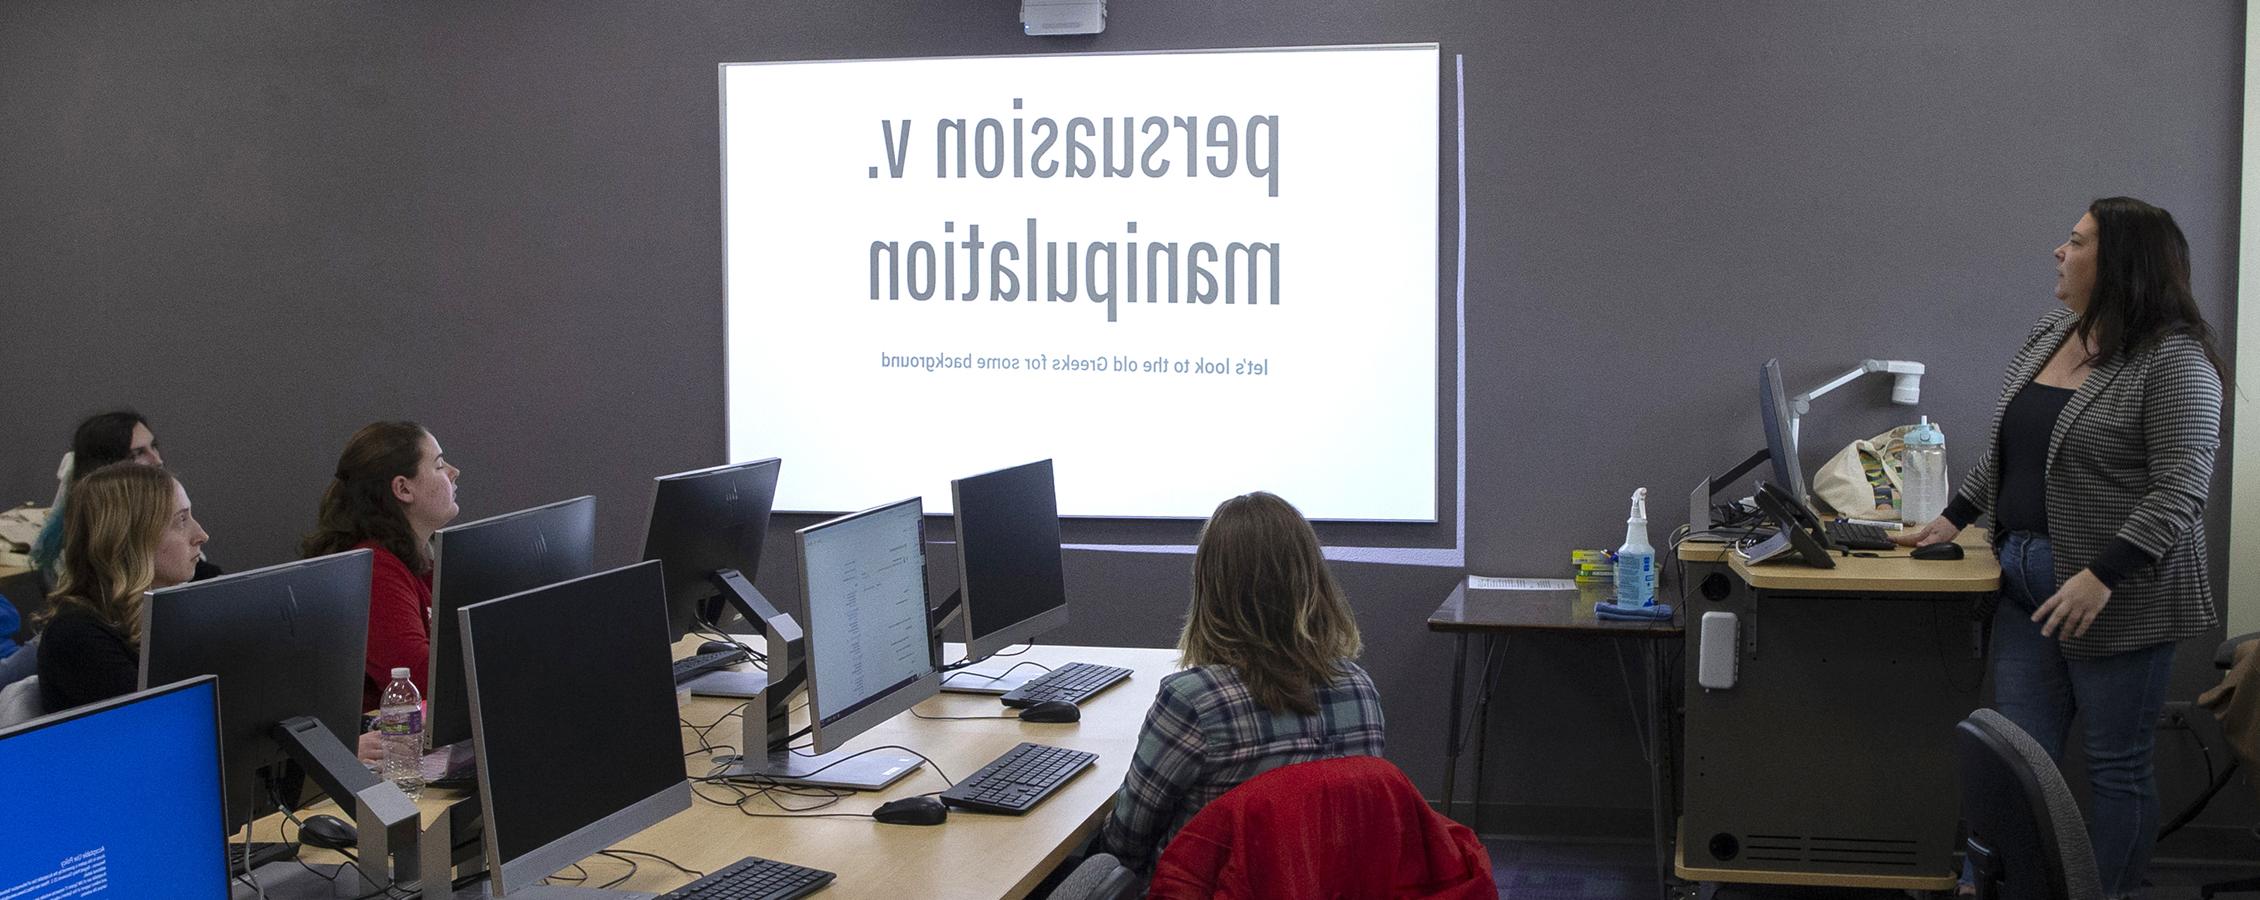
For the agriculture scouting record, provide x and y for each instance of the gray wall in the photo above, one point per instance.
(265, 223)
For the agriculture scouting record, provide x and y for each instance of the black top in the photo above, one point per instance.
(82, 660)
(2028, 422)
(2025, 429)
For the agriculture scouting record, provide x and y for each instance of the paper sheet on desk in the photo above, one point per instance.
(1493, 583)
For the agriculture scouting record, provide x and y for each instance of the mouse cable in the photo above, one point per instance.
(387, 890)
(694, 873)
(952, 673)
(616, 882)
(569, 879)
(970, 662)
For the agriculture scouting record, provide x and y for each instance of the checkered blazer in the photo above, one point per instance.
(2130, 459)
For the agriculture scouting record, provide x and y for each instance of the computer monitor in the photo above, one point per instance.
(1008, 557)
(573, 718)
(287, 641)
(1781, 439)
(869, 652)
(489, 558)
(706, 528)
(117, 799)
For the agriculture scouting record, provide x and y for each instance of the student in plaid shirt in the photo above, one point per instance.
(1269, 642)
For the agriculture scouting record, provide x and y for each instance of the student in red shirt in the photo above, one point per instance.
(392, 489)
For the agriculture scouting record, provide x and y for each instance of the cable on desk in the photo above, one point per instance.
(993, 678)
(571, 879)
(969, 662)
(694, 873)
(616, 882)
(388, 889)
(710, 630)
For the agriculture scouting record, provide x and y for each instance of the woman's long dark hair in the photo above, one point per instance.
(2141, 289)
(102, 439)
(359, 505)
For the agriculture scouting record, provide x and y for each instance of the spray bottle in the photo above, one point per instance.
(1636, 560)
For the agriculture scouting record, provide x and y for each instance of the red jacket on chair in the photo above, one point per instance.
(1352, 827)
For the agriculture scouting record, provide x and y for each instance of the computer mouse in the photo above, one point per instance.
(328, 833)
(912, 811)
(1050, 711)
(716, 647)
(1940, 550)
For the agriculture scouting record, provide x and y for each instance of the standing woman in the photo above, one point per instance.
(2097, 473)
(128, 530)
(392, 489)
(1270, 642)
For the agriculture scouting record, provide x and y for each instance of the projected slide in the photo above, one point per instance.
(1182, 276)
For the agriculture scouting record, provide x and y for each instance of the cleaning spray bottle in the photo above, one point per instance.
(1636, 560)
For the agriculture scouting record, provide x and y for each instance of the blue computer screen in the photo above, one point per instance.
(120, 802)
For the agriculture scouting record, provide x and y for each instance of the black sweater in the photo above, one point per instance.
(82, 660)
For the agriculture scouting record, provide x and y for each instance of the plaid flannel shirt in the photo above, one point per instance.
(1206, 734)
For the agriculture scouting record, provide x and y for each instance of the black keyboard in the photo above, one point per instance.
(1857, 536)
(262, 853)
(754, 878)
(1015, 782)
(694, 666)
(1074, 683)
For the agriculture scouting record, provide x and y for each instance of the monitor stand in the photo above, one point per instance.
(838, 769)
(998, 681)
(1699, 520)
(735, 685)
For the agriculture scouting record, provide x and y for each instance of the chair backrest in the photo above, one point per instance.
(1100, 877)
(21, 702)
(2027, 839)
(1353, 827)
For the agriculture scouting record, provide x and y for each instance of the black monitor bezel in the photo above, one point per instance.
(447, 703)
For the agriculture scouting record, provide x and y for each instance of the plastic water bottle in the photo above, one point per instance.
(1636, 560)
(400, 722)
(1922, 475)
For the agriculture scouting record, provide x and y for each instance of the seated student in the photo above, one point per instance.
(391, 491)
(100, 440)
(129, 530)
(1269, 639)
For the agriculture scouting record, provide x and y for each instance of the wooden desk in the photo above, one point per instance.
(971, 855)
(1829, 761)
(1500, 615)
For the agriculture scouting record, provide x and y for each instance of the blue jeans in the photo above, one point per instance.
(2117, 697)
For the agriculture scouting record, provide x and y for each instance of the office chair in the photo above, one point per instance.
(21, 702)
(2225, 659)
(1100, 877)
(1347, 827)
(2027, 840)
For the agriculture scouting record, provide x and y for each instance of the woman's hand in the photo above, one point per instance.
(372, 749)
(2074, 607)
(1938, 531)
